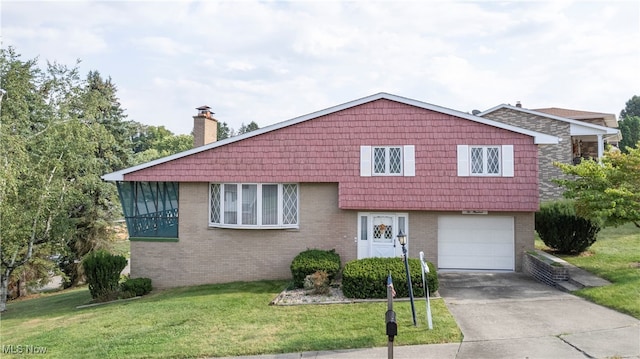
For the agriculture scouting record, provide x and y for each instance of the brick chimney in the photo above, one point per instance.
(519, 104)
(205, 127)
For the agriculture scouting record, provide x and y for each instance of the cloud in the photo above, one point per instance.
(162, 45)
(268, 61)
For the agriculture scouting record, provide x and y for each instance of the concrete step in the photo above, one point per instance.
(581, 277)
(568, 286)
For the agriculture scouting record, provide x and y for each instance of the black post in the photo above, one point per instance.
(390, 317)
(406, 267)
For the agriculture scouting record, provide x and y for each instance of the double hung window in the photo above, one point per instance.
(476, 160)
(485, 160)
(387, 161)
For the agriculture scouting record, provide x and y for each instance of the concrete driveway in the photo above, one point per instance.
(510, 315)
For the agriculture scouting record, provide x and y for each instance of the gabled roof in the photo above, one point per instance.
(539, 138)
(609, 118)
(577, 126)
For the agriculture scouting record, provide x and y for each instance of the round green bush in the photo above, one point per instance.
(562, 230)
(367, 278)
(313, 260)
(136, 286)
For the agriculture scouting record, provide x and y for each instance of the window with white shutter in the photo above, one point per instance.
(387, 161)
(476, 160)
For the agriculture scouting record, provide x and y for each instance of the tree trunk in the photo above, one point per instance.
(4, 288)
(22, 286)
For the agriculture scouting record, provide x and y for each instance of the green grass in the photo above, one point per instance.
(614, 256)
(212, 320)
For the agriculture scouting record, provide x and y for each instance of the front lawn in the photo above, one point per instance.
(614, 256)
(212, 320)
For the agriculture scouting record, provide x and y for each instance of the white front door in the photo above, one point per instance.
(378, 232)
(382, 236)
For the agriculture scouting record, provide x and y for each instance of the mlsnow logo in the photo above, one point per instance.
(23, 349)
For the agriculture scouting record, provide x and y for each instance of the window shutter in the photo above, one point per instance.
(365, 161)
(507, 161)
(463, 160)
(409, 157)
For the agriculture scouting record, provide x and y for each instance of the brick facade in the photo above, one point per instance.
(547, 154)
(212, 255)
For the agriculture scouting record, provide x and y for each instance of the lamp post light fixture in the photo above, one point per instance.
(402, 238)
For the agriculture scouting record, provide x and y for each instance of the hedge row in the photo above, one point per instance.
(367, 278)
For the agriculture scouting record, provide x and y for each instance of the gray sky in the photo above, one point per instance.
(269, 61)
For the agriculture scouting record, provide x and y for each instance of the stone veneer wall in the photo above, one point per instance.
(547, 154)
(544, 269)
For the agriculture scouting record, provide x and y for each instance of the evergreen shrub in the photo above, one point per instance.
(562, 230)
(367, 278)
(313, 260)
(134, 287)
(102, 270)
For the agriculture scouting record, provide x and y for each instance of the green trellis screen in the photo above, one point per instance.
(150, 208)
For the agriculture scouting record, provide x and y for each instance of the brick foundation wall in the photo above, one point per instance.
(214, 255)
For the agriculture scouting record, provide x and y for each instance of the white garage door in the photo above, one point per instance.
(476, 242)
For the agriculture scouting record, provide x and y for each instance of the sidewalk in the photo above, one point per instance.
(435, 351)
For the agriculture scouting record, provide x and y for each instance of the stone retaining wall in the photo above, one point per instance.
(544, 268)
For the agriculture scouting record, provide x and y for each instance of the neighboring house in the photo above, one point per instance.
(463, 188)
(583, 135)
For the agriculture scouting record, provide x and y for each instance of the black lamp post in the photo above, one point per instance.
(402, 238)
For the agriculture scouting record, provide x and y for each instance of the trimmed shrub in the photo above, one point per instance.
(367, 278)
(102, 270)
(562, 230)
(317, 283)
(313, 260)
(134, 287)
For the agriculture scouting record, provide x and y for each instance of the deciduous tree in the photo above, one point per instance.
(153, 142)
(38, 140)
(630, 130)
(609, 190)
(57, 140)
(629, 124)
(252, 126)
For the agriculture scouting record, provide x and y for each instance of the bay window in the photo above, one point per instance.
(253, 205)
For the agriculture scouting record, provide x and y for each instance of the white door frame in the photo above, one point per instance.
(364, 239)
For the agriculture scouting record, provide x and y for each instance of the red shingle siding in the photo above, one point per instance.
(327, 149)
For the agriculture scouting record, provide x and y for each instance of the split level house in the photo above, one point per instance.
(464, 188)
